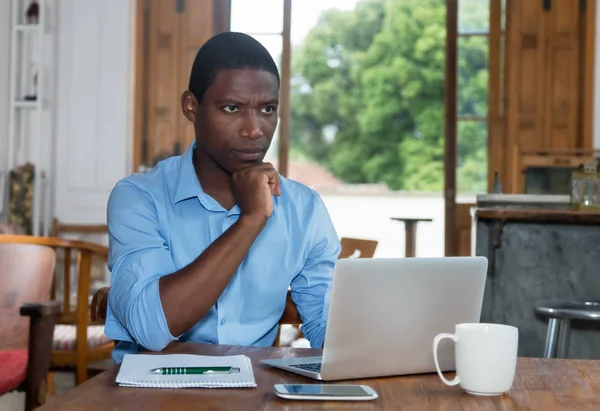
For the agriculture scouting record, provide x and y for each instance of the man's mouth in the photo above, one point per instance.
(249, 154)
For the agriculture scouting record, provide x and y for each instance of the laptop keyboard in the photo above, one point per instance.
(314, 367)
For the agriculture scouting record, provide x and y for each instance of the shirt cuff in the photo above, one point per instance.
(148, 320)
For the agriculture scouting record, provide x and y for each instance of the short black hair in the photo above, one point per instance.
(228, 51)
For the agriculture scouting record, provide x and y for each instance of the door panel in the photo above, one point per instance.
(173, 31)
(162, 78)
(526, 38)
(192, 36)
(547, 54)
(562, 70)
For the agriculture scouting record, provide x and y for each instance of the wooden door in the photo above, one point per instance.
(192, 35)
(170, 34)
(562, 57)
(543, 81)
(450, 129)
(163, 85)
(549, 76)
(457, 213)
(526, 39)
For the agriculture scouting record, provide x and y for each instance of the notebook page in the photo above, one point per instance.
(135, 371)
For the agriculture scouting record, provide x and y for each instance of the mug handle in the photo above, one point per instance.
(436, 341)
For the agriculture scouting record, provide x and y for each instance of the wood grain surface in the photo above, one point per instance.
(540, 384)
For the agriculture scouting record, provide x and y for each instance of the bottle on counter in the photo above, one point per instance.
(584, 187)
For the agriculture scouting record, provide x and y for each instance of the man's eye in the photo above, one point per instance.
(268, 109)
(230, 109)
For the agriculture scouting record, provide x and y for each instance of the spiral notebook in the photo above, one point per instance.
(135, 371)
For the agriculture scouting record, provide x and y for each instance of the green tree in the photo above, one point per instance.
(367, 95)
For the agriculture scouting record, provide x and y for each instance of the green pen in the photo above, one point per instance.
(194, 370)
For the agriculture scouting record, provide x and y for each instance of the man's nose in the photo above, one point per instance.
(251, 127)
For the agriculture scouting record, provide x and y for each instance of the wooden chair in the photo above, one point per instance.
(100, 303)
(91, 233)
(76, 341)
(290, 316)
(357, 248)
(58, 229)
(26, 273)
(351, 248)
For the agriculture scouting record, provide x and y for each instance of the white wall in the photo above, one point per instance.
(92, 123)
(93, 114)
(4, 102)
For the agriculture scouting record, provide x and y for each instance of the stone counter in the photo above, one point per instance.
(539, 215)
(534, 255)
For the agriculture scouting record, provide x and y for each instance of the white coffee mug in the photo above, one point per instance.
(485, 357)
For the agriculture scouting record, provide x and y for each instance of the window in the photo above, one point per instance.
(472, 95)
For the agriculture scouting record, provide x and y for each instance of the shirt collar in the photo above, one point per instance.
(188, 186)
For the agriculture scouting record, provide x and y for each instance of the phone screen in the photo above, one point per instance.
(326, 390)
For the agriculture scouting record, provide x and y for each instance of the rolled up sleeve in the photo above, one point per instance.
(311, 288)
(138, 257)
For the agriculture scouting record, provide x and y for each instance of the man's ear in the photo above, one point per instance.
(189, 105)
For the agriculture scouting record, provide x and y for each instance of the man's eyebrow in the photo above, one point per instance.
(232, 101)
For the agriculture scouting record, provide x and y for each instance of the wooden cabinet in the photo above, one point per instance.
(547, 82)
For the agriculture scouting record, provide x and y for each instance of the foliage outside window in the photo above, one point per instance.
(367, 94)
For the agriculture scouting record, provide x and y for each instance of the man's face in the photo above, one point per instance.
(236, 118)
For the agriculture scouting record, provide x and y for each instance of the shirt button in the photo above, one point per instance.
(222, 321)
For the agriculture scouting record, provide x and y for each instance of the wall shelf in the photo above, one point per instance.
(33, 104)
(27, 28)
(31, 122)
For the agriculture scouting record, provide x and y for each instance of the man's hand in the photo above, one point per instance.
(254, 187)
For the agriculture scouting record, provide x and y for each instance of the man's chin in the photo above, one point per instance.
(241, 165)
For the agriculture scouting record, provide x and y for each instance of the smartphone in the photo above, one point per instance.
(322, 392)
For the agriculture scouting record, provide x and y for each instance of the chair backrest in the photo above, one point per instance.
(58, 229)
(100, 302)
(357, 248)
(26, 272)
(75, 256)
(90, 233)
(350, 246)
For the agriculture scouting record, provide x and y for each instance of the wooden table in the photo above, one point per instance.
(540, 384)
(410, 236)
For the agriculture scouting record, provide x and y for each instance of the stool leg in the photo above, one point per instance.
(562, 348)
(410, 230)
(551, 338)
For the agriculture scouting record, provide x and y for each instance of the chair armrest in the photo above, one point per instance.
(99, 305)
(40, 309)
(43, 317)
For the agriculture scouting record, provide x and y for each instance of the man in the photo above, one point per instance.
(204, 247)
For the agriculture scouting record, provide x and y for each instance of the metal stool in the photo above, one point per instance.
(560, 314)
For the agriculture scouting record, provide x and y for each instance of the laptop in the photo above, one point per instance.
(385, 312)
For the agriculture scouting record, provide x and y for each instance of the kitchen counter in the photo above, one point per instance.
(539, 215)
(538, 249)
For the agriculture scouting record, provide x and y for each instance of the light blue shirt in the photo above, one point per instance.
(161, 221)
